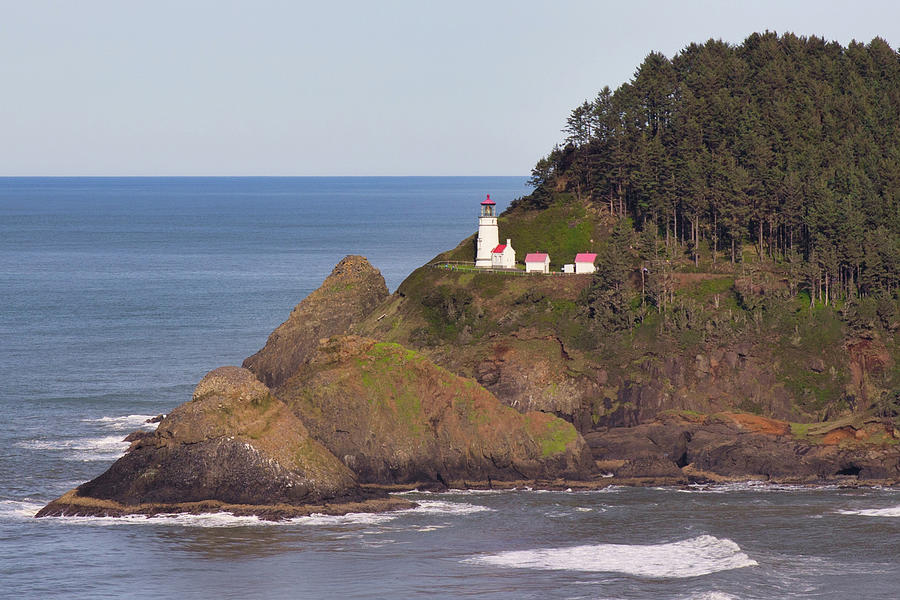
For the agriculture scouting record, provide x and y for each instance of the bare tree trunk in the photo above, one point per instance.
(675, 224)
(696, 241)
(760, 240)
(715, 235)
(621, 192)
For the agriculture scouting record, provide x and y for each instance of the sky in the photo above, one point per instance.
(121, 87)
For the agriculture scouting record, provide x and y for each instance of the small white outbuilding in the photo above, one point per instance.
(503, 256)
(584, 262)
(537, 262)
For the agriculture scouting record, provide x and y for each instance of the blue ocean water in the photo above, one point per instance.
(118, 294)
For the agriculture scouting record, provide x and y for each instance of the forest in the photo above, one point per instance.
(783, 150)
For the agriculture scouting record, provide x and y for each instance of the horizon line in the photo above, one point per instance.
(237, 176)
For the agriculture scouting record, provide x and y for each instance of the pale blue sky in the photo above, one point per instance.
(341, 88)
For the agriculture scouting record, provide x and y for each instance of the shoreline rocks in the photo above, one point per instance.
(71, 504)
(727, 447)
(233, 443)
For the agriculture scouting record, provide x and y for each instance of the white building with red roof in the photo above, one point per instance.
(584, 262)
(503, 256)
(537, 262)
(488, 234)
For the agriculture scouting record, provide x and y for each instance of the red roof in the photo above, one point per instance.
(585, 257)
(488, 201)
(499, 249)
(536, 257)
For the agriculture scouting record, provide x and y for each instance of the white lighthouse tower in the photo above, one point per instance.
(488, 236)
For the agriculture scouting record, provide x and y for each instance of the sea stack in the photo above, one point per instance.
(233, 447)
(351, 292)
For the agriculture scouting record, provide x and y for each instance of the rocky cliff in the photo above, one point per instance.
(479, 379)
(393, 416)
(731, 339)
(232, 444)
(679, 447)
(350, 293)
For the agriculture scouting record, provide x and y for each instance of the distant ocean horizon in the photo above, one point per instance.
(117, 294)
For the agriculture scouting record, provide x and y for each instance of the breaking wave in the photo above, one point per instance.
(214, 520)
(225, 519)
(688, 558)
(749, 486)
(348, 519)
(125, 422)
(874, 512)
(18, 509)
(451, 508)
(107, 447)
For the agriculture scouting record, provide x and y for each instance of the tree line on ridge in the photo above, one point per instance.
(787, 144)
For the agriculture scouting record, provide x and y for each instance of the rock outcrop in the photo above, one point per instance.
(352, 291)
(682, 447)
(233, 443)
(393, 416)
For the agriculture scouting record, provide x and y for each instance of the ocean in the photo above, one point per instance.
(118, 294)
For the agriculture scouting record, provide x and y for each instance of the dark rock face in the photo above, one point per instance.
(392, 416)
(733, 447)
(221, 469)
(233, 442)
(351, 292)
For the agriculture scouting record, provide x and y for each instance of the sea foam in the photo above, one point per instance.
(451, 508)
(107, 447)
(206, 520)
(124, 422)
(893, 511)
(18, 509)
(687, 558)
(748, 486)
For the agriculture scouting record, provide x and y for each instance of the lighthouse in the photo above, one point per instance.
(488, 236)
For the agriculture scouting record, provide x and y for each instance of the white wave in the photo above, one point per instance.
(893, 511)
(212, 520)
(452, 508)
(182, 520)
(348, 519)
(748, 486)
(82, 449)
(125, 422)
(427, 528)
(711, 596)
(458, 492)
(19, 509)
(688, 558)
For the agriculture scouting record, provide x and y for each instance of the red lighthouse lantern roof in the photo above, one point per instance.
(488, 201)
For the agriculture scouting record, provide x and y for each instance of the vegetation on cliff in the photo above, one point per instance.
(742, 201)
(392, 416)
